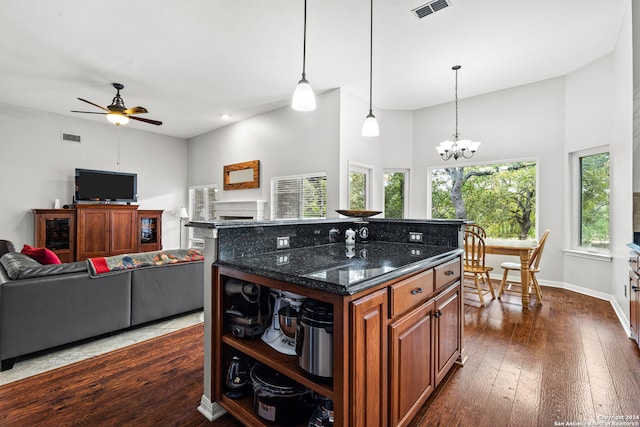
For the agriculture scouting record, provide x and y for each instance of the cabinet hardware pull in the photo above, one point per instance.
(635, 288)
(449, 273)
(416, 291)
(437, 314)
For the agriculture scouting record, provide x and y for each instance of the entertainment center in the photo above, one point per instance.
(95, 230)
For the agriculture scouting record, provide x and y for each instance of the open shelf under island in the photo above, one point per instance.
(397, 312)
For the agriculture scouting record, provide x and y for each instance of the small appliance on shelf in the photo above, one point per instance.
(281, 334)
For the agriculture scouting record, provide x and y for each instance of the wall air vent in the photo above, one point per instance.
(431, 7)
(67, 137)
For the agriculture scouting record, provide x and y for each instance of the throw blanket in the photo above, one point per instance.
(112, 264)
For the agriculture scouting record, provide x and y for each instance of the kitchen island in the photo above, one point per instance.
(397, 312)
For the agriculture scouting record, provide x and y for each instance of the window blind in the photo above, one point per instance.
(299, 197)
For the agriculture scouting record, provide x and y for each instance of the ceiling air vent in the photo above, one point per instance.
(70, 138)
(431, 7)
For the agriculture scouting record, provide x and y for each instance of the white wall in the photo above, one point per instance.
(286, 142)
(525, 122)
(391, 149)
(36, 167)
(622, 150)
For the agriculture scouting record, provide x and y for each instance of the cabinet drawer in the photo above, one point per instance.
(447, 273)
(409, 292)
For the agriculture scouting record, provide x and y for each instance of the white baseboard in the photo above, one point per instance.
(210, 410)
(589, 292)
(596, 294)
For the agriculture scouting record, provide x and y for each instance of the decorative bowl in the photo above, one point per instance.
(355, 213)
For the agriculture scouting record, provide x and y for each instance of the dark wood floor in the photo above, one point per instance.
(565, 361)
(568, 360)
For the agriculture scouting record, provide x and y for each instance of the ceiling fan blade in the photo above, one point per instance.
(88, 112)
(140, 119)
(135, 110)
(95, 105)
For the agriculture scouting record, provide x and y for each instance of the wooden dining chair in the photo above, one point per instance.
(534, 267)
(474, 264)
(477, 229)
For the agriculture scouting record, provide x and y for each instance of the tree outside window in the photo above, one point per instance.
(359, 186)
(594, 201)
(394, 194)
(499, 197)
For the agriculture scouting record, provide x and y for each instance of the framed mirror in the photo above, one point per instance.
(243, 175)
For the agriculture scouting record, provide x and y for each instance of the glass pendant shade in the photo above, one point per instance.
(118, 119)
(370, 126)
(303, 97)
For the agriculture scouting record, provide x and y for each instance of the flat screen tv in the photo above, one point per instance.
(105, 186)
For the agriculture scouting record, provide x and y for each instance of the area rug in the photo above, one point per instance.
(158, 382)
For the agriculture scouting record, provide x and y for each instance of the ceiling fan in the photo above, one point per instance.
(117, 113)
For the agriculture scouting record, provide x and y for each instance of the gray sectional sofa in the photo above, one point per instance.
(44, 306)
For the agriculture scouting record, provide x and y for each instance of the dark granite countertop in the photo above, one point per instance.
(340, 269)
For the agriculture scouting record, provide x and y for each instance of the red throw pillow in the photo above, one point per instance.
(42, 255)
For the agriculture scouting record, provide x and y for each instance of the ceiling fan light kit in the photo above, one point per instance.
(117, 113)
(117, 119)
(303, 97)
(457, 148)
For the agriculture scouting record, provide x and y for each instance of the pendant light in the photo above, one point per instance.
(457, 148)
(303, 97)
(370, 126)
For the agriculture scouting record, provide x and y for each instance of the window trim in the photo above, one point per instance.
(365, 169)
(575, 248)
(535, 159)
(297, 176)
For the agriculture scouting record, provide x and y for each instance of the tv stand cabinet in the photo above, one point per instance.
(87, 231)
(105, 230)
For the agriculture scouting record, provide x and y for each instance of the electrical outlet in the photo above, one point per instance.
(415, 237)
(282, 242)
(283, 258)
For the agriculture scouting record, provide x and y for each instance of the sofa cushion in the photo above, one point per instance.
(14, 263)
(6, 246)
(21, 266)
(42, 255)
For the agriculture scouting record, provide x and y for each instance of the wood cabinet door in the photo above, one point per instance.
(448, 318)
(92, 239)
(123, 231)
(411, 370)
(56, 230)
(368, 360)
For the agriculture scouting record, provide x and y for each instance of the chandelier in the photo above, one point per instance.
(457, 148)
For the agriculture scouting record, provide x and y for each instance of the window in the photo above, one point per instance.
(501, 197)
(299, 196)
(591, 187)
(201, 208)
(359, 186)
(396, 189)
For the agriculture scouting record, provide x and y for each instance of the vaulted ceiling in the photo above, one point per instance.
(189, 61)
